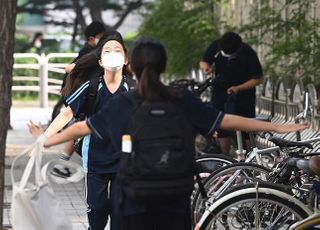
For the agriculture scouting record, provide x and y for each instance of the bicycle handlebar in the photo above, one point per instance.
(196, 87)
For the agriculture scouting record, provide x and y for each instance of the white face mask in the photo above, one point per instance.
(112, 61)
(37, 44)
(96, 40)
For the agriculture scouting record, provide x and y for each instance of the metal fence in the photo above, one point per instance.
(43, 64)
(283, 102)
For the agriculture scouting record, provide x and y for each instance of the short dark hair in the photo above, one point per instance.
(230, 42)
(93, 29)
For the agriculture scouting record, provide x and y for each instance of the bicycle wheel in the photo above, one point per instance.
(250, 207)
(209, 163)
(223, 180)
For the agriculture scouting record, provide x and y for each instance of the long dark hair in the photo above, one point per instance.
(88, 66)
(148, 61)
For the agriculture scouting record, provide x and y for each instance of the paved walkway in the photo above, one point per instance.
(71, 195)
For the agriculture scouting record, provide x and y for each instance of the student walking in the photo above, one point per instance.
(93, 32)
(99, 160)
(148, 62)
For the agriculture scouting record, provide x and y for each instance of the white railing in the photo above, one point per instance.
(44, 64)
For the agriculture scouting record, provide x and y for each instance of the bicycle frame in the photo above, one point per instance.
(305, 224)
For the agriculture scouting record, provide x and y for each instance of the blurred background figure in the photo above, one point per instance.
(35, 46)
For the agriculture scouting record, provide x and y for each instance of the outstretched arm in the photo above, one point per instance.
(234, 122)
(56, 125)
(74, 131)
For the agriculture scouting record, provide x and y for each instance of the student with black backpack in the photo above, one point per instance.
(99, 160)
(93, 33)
(157, 168)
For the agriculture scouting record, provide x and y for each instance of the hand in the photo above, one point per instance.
(35, 130)
(69, 67)
(205, 67)
(286, 128)
(233, 90)
(214, 135)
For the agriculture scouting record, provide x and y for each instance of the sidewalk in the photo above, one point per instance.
(71, 195)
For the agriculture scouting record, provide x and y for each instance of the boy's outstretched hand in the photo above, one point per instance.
(35, 130)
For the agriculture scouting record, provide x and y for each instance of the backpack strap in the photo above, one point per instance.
(132, 83)
(92, 93)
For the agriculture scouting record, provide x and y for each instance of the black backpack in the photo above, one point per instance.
(162, 163)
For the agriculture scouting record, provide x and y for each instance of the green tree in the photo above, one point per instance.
(185, 28)
(290, 37)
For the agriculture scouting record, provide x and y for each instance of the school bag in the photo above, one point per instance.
(161, 164)
(34, 204)
(90, 102)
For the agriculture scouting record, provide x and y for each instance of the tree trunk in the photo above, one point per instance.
(79, 16)
(95, 10)
(7, 30)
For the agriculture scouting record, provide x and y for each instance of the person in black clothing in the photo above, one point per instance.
(93, 34)
(237, 72)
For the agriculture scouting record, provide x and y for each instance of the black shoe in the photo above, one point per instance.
(60, 171)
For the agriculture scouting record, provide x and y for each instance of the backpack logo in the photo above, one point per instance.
(164, 158)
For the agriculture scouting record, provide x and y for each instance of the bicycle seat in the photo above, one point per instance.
(286, 143)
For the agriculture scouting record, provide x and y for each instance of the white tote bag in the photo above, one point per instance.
(34, 204)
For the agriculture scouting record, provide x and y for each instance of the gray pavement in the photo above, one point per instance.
(71, 195)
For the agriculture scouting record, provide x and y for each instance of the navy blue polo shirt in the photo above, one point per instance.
(112, 122)
(97, 154)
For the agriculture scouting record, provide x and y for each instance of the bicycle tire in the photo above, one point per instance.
(271, 199)
(209, 163)
(198, 204)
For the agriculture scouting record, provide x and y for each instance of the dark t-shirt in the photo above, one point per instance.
(97, 154)
(232, 71)
(112, 122)
(86, 49)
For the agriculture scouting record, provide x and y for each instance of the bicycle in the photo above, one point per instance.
(226, 177)
(254, 206)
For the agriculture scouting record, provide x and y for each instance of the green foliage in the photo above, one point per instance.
(291, 43)
(20, 41)
(185, 28)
